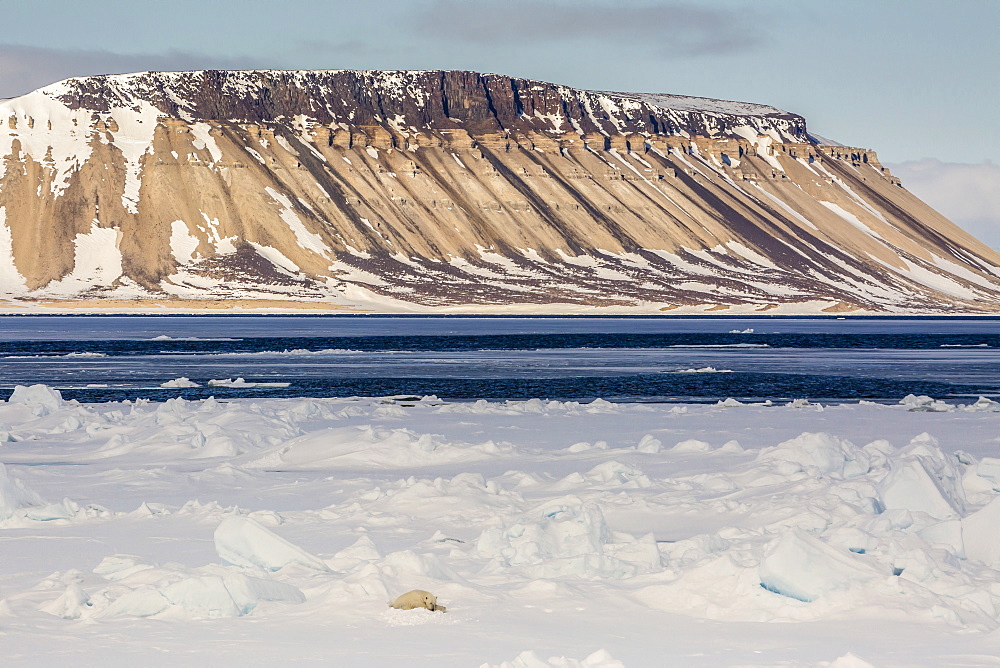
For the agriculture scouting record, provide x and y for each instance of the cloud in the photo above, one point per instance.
(25, 68)
(968, 194)
(668, 28)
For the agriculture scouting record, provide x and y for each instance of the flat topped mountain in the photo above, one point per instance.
(477, 103)
(456, 191)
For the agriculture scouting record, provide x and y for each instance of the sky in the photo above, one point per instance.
(916, 80)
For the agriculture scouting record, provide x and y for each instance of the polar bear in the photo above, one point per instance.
(418, 598)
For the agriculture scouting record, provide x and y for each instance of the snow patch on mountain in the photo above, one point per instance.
(11, 282)
(47, 131)
(97, 262)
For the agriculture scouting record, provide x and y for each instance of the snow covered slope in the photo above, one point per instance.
(456, 191)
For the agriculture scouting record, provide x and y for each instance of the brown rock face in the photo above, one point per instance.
(457, 190)
(441, 100)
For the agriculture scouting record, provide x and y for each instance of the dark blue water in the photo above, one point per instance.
(104, 358)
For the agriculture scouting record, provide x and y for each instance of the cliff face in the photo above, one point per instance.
(456, 190)
(413, 101)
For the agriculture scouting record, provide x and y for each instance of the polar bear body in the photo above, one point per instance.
(418, 598)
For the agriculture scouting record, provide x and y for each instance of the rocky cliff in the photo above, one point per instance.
(456, 191)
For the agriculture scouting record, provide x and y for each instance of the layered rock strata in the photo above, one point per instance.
(457, 190)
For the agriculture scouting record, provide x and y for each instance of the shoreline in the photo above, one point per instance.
(276, 307)
(217, 312)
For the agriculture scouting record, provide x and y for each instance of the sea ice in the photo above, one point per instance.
(72, 604)
(817, 454)
(41, 399)
(568, 536)
(179, 383)
(242, 541)
(984, 404)
(909, 486)
(13, 495)
(981, 534)
(143, 590)
(240, 382)
(541, 524)
(804, 568)
(925, 403)
(848, 660)
(366, 445)
(921, 478)
(648, 444)
(529, 659)
(692, 445)
(228, 595)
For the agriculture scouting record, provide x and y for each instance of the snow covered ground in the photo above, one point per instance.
(259, 532)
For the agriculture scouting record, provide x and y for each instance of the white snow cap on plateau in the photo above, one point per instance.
(400, 81)
(708, 104)
(129, 93)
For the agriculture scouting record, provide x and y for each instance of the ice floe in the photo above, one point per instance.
(564, 527)
(240, 382)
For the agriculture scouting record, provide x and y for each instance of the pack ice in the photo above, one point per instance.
(556, 533)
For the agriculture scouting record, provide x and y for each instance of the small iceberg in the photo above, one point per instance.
(179, 383)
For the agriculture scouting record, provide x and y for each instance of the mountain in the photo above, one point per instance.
(455, 191)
